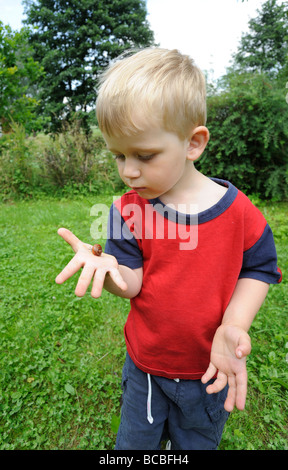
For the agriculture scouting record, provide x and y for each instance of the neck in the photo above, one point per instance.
(196, 192)
(185, 191)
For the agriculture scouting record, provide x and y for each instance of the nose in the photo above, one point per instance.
(131, 168)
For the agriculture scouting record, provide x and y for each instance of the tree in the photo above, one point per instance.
(248, 124)
(18, 74)
(248, 112)
(265, 47)
(74, 40)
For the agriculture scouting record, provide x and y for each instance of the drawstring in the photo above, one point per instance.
(149, 397)
(149, 415)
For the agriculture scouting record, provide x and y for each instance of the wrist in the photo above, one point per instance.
(227, 322)
(247, 298)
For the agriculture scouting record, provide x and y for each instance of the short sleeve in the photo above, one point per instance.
(260, 261)
(121, 242)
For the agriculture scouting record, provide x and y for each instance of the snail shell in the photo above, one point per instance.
(97, 249)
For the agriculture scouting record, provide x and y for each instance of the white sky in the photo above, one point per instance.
(207, 30)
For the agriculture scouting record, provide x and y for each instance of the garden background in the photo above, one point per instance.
(61, 356)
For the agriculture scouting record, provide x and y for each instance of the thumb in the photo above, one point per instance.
(70, 238)
(244, 346)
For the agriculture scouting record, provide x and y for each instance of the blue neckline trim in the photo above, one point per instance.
(201, 217)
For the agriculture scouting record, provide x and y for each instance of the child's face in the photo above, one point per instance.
(153, 161)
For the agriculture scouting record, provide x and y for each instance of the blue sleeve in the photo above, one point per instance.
(121, 242)
(260, 261)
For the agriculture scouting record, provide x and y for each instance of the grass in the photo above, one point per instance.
(61, 357)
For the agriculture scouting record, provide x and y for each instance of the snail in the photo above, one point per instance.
(97, 249)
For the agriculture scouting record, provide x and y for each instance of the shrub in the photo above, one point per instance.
(77, 161)
(248, 123)
(70, 155)
(17, 174)
(68, 163)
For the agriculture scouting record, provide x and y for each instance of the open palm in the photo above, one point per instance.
(230, 347)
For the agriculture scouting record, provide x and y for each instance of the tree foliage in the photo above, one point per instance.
(248, 123)
(265, 47)
(74, 40)
(247, 110)
(18, 75)
(248, 114)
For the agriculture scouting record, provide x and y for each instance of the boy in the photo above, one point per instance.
(192, 253)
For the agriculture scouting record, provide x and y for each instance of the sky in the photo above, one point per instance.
(207, 30)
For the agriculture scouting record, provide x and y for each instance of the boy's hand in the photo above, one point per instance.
(230, 347)
(95, 267)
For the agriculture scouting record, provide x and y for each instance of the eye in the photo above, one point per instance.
(119, 157)
(146, 158)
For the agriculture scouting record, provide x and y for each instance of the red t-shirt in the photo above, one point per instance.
(191, 265)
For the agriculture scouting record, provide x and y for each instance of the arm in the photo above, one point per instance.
(231, 343)
(104, 270)
(247, 298)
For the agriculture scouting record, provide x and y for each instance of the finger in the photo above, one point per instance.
(118, 279)
(241, 383)
(71, 268)
(218, 384)
(69, 237)
(99, 279)
(237, 392)
(210, 372)
(231, 395)
(84, 280)
(98, 283)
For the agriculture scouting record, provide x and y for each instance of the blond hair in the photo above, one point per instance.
(155, 84)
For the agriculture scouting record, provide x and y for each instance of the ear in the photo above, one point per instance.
(197, 142)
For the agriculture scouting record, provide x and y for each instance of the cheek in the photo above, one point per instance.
(119, 168)
(171, 169)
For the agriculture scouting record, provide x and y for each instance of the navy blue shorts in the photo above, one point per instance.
(155, 408)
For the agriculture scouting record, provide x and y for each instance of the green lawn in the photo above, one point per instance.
(61, 357)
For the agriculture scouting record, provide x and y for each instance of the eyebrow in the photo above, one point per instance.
(137, 150)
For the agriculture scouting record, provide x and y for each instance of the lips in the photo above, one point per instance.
(138, 189)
